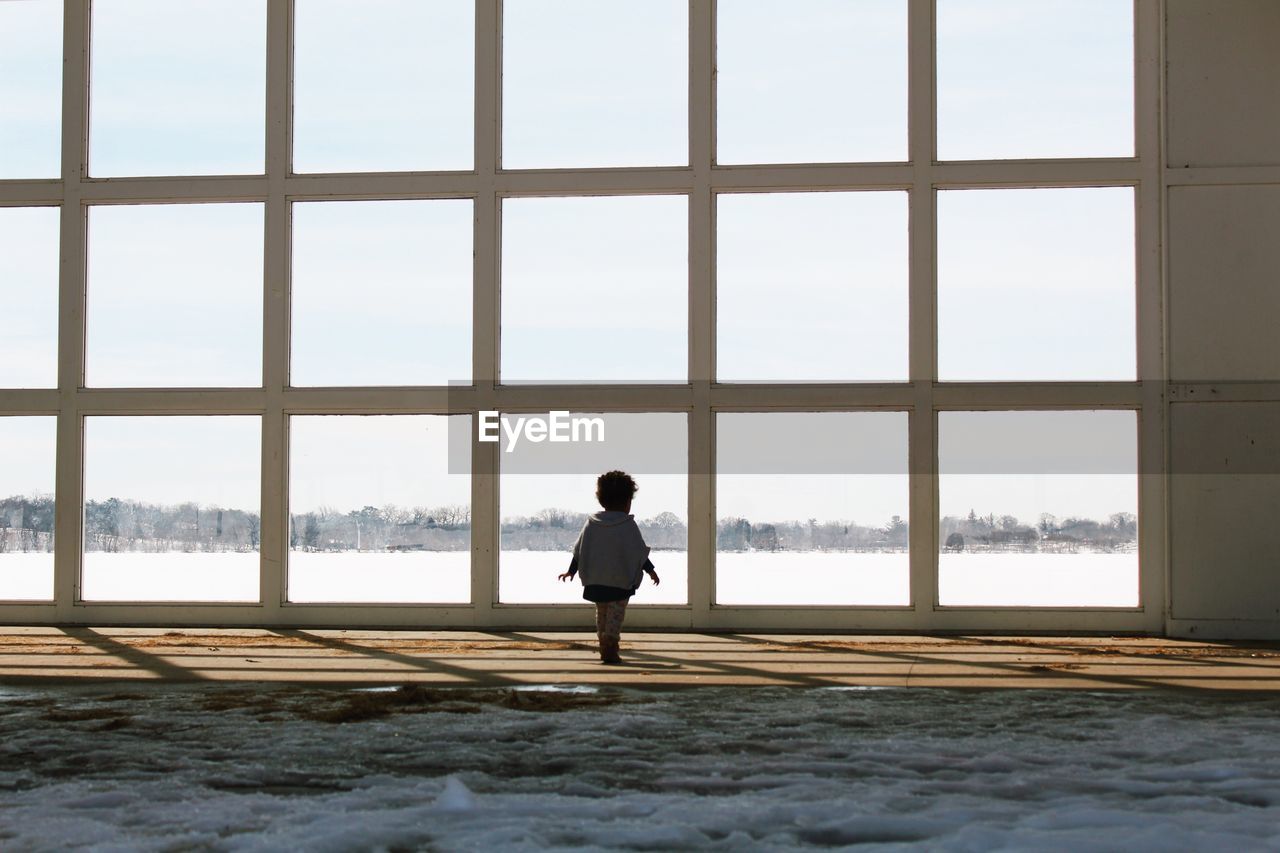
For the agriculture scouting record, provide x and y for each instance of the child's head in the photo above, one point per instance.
(614, 490)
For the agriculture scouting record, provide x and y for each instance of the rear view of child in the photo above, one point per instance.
(610, 555)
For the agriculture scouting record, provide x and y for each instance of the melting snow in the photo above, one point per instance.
(270, 768)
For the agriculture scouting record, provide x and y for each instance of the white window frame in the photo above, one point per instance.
(922, 396)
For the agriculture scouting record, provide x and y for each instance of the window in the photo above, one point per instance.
(595, 289)
(174, 295)
(821, 276)
(26, 508)
(822, 81)
(1052, 78)
(548, 491)
(385, 86)
(381, 293)
(171, 508)
(745, 233)
(812, 508)
(589, 83)
(379, 509)
(29, 293)
(177, 88)
(31, 89)
(1036, 284)
(1038, 509)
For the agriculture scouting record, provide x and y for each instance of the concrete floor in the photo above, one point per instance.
(658, 659)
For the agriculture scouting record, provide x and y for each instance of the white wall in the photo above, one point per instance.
(1223, 316)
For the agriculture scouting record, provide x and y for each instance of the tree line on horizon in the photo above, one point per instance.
(26, 524)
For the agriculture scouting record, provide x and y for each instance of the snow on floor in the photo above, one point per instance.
(276, 768)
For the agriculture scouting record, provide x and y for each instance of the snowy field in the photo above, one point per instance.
(171, 576)
(529, 577)
(814, 577)
(26, 576)
(227, 768)
(440, 577)
(1038, 580)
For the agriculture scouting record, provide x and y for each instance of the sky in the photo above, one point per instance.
(825, 82)
(381, 292)
(595, 289)
(205, 460)
(587, 83)
(366, 85)
(174, 295)
(1032, 284)
(798, 270)
(347, 462)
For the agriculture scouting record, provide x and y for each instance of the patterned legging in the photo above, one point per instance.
(609, 616)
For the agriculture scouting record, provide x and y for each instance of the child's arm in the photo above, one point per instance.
(648, 567)
(573, 569)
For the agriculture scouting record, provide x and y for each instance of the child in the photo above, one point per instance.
(610, 554)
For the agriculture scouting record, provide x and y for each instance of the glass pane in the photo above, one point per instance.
(31, 89)
(1036, 284)
(815, 82)
(29, 293)
(1039, 509)
(171, 508)
(27, 459)
(381, 292)
(799, 270)
(388, 87)
(594, 83)
(812, 508)
(174, 295)
(1052, 78)
(178, 88)
(379, 511)
(548, 491)
(595, 289)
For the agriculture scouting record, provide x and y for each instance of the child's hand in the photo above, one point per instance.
(566, 576)
(653, 576)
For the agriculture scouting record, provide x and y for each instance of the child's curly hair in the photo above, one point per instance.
(614, 489)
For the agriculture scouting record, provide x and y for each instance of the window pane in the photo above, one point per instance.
(812, 508)
(31, 89)
(595, 289)
(799, 270)
(548, 490)
(27, 448)
(383, 85)
(29, 292)
(814, 82)
(381, 292)
(178, 88)
(594, 83)
(1036, 284)
(1039, 509)
(1052, 78)
(378, 510)
(174, 295)
(171, 508)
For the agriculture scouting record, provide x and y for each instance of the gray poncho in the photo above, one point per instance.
(610, 550)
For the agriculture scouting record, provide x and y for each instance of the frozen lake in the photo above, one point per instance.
(1039, 580)
(529, 577)
(228, 768)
